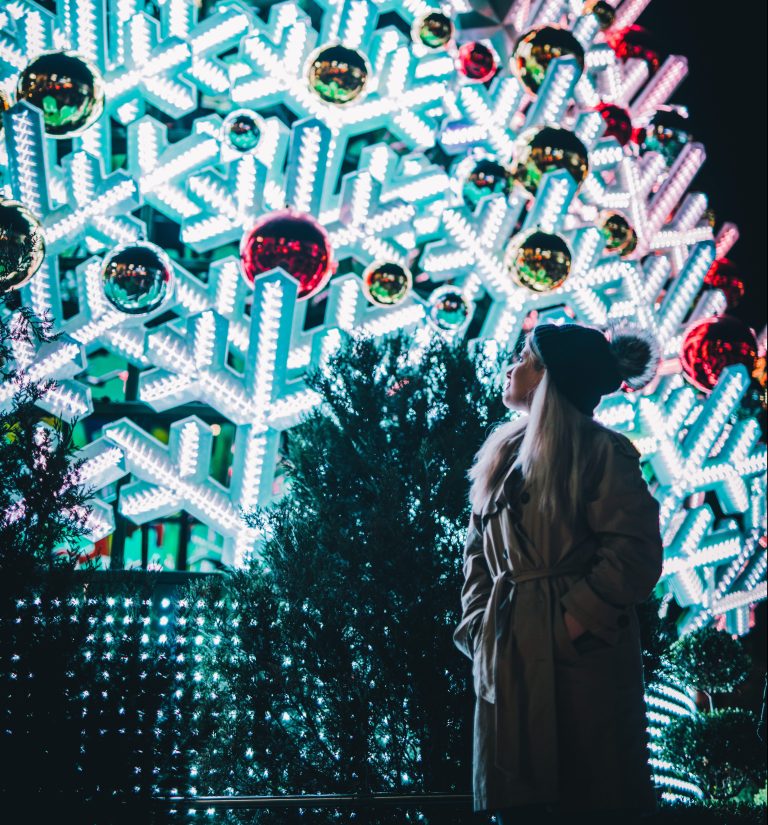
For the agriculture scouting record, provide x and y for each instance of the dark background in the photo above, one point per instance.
(725, 93)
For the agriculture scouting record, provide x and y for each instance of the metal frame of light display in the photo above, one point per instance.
(156, 165)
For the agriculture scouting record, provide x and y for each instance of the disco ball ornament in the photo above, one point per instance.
(337, 74)
(477, 62)
(487, 178)
(618, 123)
(293, 241)
(537, 49)
(635, 42)
(604, 12)
(448, 308)
(724, 275)
(549, 150)
(242, 130)
(713, 344)
(620, 237)
(22, 246)
(539, 261)
(137, 277)
(67, 88)
(667, 133)
(386, 283)
(434, 30)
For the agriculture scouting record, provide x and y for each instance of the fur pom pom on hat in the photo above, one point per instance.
(585, 365)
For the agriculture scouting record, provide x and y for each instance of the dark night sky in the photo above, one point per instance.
(725, 92)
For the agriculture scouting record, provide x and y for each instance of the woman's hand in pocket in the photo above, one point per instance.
(573, 626)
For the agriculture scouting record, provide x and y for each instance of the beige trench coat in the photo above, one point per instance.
(561, 722)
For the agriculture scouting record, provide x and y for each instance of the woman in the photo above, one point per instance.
(563, 541)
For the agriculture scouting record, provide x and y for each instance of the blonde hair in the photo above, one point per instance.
(547, 445)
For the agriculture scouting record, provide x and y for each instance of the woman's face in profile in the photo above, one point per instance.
(521, 380)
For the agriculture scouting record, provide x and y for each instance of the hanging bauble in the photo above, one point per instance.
(448, 308)
(667, 133)
(337, 74)
(67, 88)
(619, 236)
(711, 218)
(137, 277)
(549, 150)
(604, 12)
(618, 123)
(291, 240)
(242, 130)
(635, 42)
(386, 283)
(713, 344)
(724, 275)
(537, 49)
(538, 261)
(22, 247)
(477, 62)
(434, 30)
(489, 177)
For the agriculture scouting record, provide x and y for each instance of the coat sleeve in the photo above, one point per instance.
(625, 518)
(475, 590)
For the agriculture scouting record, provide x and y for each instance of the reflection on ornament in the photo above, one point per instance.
(667, 133)
(241, 129)
(291, 240)
(539, 261)
(487, 178)
(635, 42)
(67, 88)
(137, 277)
(434, 30)
(22, 247)
(724, 275)
(5, 104)
(618, 124)
(604, 12)
(619, 236)
(386, 283)
(549, 150)
(712, 345)
(537, 49)
(448, 308)
(477, 62)
(338, 74)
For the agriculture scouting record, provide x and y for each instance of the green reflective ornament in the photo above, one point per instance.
(487, 178)
(338, 74)
(619, 236)
(434, 30)
(22, 247)
(137, 277)
(386, 283)
(667, 133)
(539, 261)
(242, 130)
(67, 88)
(537, 49)
(448, 308)
(549, 150)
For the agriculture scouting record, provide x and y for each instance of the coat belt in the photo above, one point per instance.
(498, 640)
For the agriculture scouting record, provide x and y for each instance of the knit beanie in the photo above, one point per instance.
(584, 365)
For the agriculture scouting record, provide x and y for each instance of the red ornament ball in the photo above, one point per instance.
(724, 275)
(712, 345)
(618, 123)
(477, 62)
(293, 241)
(635, 42)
